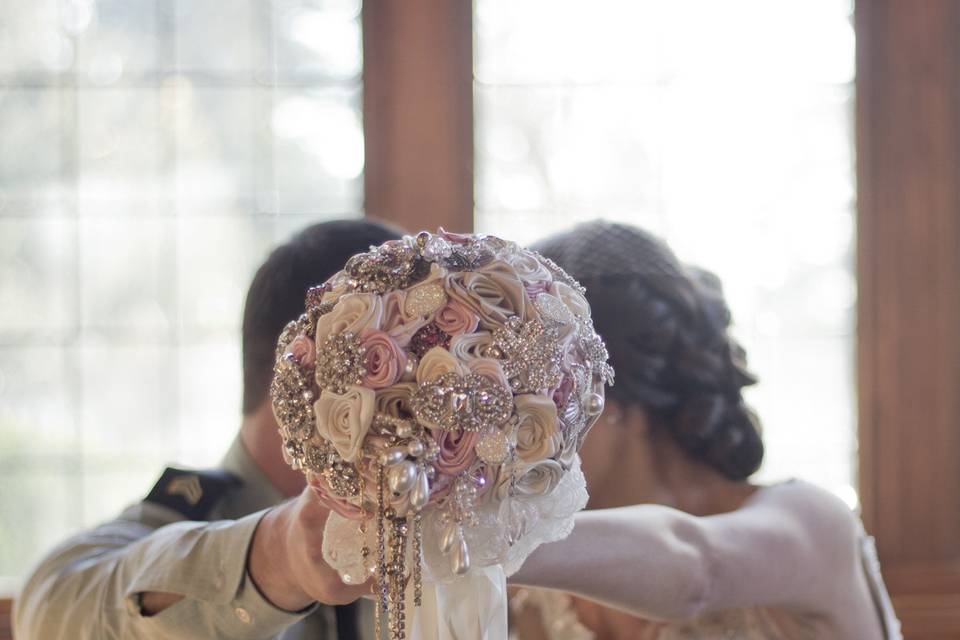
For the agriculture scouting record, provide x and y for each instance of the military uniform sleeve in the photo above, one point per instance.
(90, 586)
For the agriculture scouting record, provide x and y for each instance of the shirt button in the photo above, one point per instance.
(243, 614)
(218, 581)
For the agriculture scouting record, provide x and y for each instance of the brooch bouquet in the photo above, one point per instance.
(435, 393)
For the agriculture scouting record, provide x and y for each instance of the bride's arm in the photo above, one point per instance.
(792, 545)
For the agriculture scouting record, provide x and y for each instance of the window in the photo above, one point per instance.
(726, 128)
(153, 152)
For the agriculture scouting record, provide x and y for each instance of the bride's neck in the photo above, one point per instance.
(652, 468)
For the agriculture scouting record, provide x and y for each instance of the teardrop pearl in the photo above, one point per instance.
(460, 562)
(392, 456)
(420, 494)
(401, 477)
(448, 537)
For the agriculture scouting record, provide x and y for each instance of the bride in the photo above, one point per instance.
(680, 544)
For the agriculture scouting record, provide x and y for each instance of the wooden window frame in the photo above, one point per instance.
(908, 176)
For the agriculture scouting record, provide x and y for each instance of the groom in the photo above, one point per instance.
(208, 553)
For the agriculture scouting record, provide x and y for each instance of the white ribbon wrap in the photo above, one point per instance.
(472, 607)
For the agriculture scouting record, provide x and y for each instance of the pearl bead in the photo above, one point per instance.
(416, 448)
(595, 404)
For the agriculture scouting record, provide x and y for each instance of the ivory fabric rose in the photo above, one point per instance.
(469, 346)
(537, 436)
(395, 401)
(384, 360)
(303, 350)
(344, 418)
(490, 369)
(392, 310)
(529, 268)
(456, 319)
(456, 450)
(538, 479)
(572, 298)
(494, 293)
(354, 312)
(435, 363)
(395, 322)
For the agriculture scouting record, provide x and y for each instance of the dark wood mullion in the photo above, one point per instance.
(908, 170)
(418, 112)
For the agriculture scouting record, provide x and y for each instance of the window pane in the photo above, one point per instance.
(727, 135)
(154, 151)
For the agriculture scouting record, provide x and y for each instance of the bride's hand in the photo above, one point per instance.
(286, 557)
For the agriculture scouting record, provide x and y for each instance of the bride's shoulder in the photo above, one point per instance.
(823, 518)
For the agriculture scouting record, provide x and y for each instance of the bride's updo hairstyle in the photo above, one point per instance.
(666, 327)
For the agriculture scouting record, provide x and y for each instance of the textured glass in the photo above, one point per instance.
(125, 276)
(37, 278)
(34, 156)
(153, 153)
(38, 406)
(218, 255)
(719, 127)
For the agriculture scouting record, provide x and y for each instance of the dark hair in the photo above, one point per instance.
(276, 295)
(666, 327)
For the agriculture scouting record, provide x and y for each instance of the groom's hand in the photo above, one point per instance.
(286, 557)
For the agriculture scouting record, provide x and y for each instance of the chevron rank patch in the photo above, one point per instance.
(191, 492)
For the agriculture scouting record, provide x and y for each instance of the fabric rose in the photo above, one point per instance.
(456, 450)
(392, 310)
(572, 299)
(326, 497)
(343, 419)
(487, 477)
(494, 293)
(354, 312)
(394, 321)
(469, 346)
(537, 436)
(535, 289)
(338, 285)
(457, 238)
(568, 453)
(456, 319)
(435, 363)
(490, 369)
(538, 479)
(395, 401)
(384, 360)
(529, 268)
(303, 350)
(562, 392)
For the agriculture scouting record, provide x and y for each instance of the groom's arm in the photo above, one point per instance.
(93, 585)
(146, 575)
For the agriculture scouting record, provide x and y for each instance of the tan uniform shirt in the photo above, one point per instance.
(89, 586)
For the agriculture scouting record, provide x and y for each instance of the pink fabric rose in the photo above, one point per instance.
(457, 319)
(534, 289)
(303, 350)
(458, 238)
(326, 497)
(456, 450)
(384, 359)
(561, 393)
